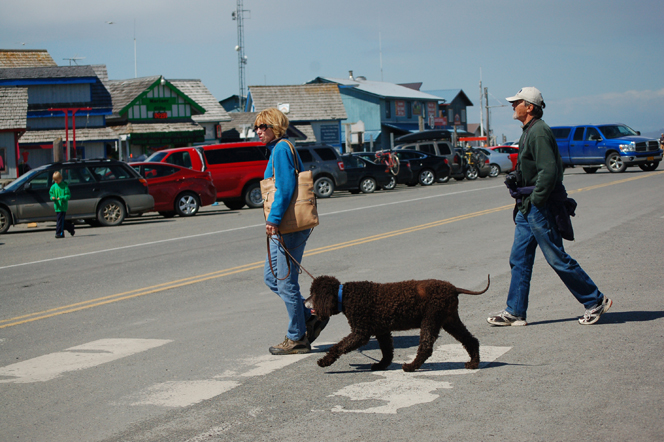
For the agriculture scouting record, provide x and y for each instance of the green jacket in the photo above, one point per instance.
(539, 162)
(60, 191)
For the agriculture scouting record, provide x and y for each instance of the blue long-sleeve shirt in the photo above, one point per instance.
(285, 179)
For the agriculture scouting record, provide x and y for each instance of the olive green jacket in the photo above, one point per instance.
(539, 162)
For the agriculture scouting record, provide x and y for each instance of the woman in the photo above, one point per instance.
(303, 327)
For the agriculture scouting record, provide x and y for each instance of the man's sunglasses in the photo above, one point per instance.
(262, 127)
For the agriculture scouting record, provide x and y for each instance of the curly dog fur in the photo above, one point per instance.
(375, 309)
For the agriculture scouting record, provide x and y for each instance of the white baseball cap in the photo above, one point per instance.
(530, 94)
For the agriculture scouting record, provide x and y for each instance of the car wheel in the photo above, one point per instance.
(167, 214)
(234, 205)
(323, 187)
(494, 170)
(5, 220)
(111, 212)
(368, 185)
(187, 204)
(472, 173)
(392, 184)
(590, 169)
(446, 178)
(615, 163)
(253, 196)
(650, 166)
(426, 177)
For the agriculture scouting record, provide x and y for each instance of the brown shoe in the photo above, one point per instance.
(290, 347)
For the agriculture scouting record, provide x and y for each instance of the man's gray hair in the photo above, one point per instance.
(537, 112)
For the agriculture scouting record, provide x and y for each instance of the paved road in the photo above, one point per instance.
(158, 330)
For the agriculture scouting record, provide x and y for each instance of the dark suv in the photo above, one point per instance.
(326, 165)
(456, 158)
(103, 191)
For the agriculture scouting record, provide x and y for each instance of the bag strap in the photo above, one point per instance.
(296, 161)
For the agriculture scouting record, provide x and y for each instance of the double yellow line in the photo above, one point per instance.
(71, 308)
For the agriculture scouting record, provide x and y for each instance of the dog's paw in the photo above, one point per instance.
(409, 367)
(325, 362)
(379, 366)
(472, 365)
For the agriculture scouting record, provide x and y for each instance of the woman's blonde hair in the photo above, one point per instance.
(275, 118)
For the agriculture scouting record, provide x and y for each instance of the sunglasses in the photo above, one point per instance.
(262, 127)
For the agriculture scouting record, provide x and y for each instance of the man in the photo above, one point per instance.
(540, 197)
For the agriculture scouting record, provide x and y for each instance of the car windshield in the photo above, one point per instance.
(617, 131)
(156, 157)
(22, 179)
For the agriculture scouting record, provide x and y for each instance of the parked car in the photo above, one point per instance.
(326, 165)
(512, 150)
(236, 168)
(103, 191)
(364, 175)
(176, 189)
(405, 174)
(426, 168)
(498, 162)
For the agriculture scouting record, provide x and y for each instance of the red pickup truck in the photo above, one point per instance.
(236, 169)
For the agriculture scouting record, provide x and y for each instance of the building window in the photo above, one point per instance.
(388, 109)
(409, 110)
(463, 115)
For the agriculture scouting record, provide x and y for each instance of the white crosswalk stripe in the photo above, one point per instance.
(47, 367)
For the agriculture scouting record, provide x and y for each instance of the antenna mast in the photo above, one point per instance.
(238, 15)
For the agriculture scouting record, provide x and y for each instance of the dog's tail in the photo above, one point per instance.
(469, 292)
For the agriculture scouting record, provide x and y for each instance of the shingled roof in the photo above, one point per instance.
(47, 72)
(126, 91)
(196, 90)
(13, 107)
(307, 102)
(25, 58)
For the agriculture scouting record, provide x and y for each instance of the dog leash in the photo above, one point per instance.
(280, 240)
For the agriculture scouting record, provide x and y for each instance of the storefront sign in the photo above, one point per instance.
(163, 104)
(400, 106)
(329, 134)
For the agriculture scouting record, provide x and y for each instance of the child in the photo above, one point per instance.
(60, 196)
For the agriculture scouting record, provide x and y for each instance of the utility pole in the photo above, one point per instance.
(488, 131)
(238, 16)
(481, 108)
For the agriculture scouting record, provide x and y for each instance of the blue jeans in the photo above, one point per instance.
(288, 289)
(538, 228)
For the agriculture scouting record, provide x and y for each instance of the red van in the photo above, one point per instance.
(236, 169)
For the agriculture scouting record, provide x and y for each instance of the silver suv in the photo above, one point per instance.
(326, 165)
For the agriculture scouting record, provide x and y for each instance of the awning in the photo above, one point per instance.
(82, 134)
(158, 134)
(403, 127)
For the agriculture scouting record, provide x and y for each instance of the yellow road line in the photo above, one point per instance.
(257, 265)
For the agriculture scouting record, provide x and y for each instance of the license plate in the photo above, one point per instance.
(651, 158)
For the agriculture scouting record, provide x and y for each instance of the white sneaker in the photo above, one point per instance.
(505, 318)
(592, 314)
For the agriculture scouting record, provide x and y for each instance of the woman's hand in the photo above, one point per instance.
(271, 230)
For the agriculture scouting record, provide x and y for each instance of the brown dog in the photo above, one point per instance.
(375, 309)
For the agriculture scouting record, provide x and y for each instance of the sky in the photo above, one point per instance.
(595, 61)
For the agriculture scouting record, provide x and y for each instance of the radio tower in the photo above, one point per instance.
(238, 15)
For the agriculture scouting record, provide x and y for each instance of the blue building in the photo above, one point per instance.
(387, 110)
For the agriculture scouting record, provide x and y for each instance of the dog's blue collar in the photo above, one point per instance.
(340, 305)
